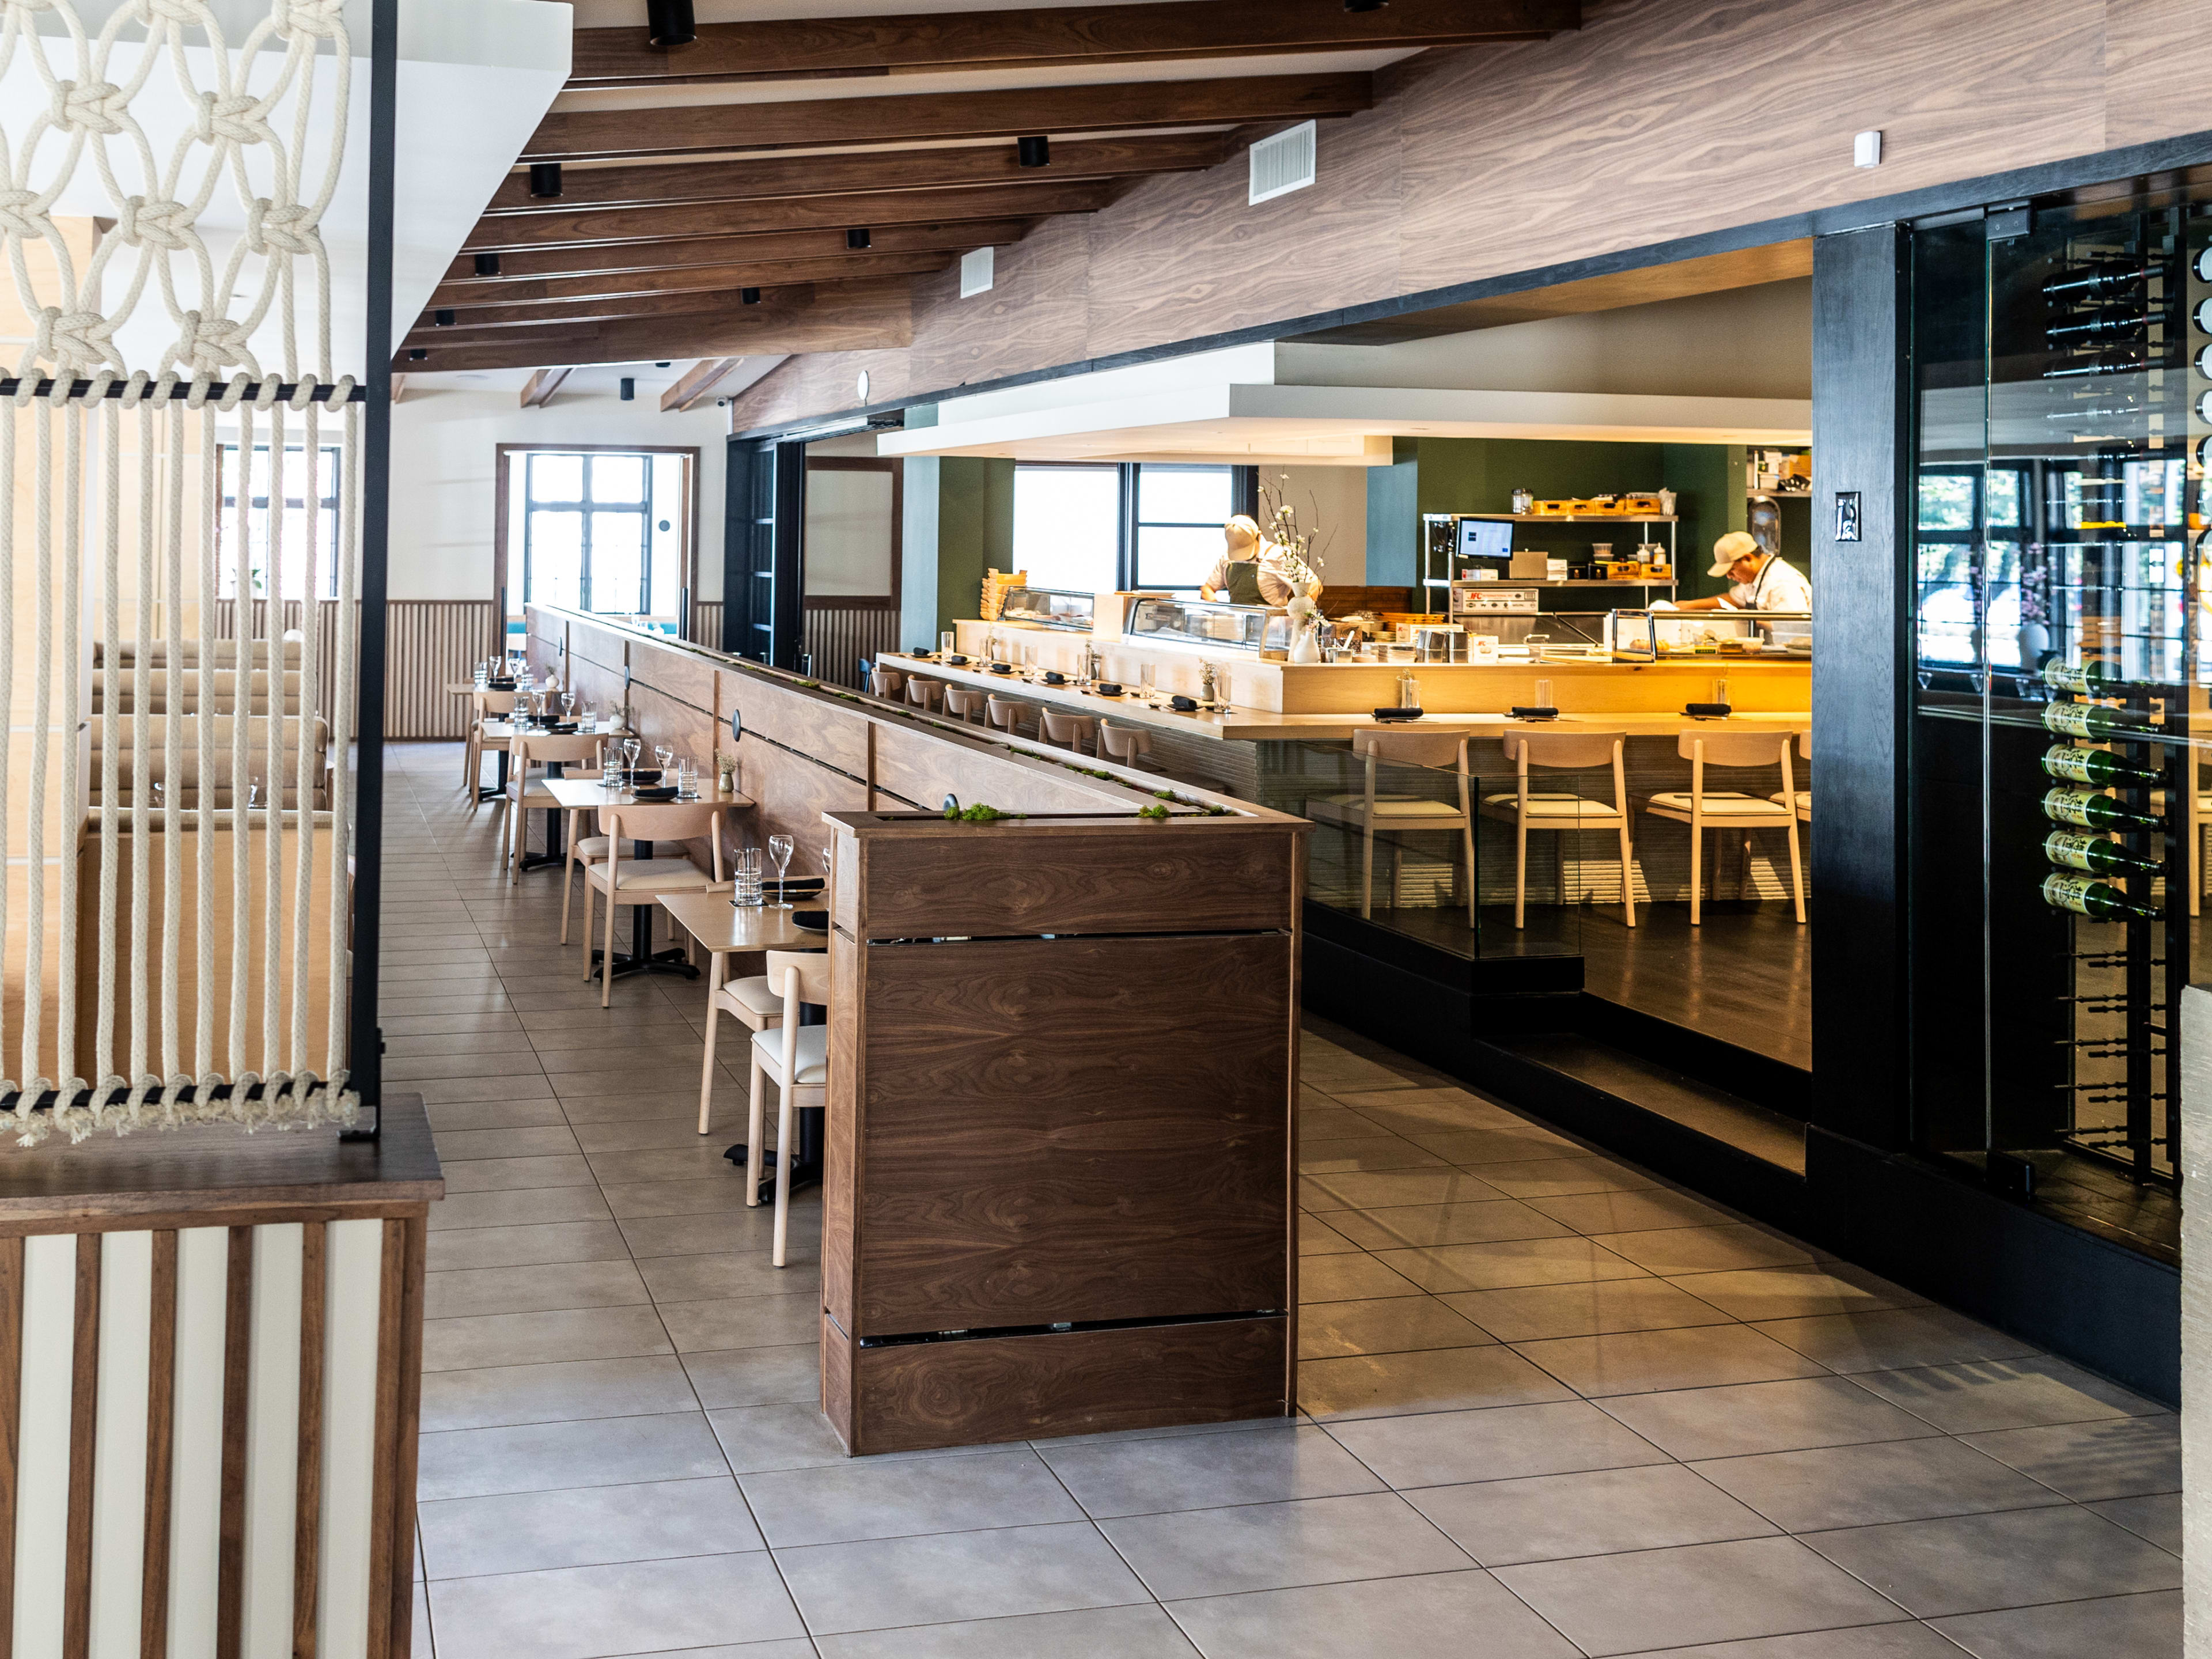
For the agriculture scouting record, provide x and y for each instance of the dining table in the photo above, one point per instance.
(503, 732)
(723, 929)
(595, 795)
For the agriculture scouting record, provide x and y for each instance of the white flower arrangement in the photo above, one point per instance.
(1300, 608)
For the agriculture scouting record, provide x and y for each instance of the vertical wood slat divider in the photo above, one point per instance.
(407, 1402)
(161, 1450)
(429, 643)
(11, 1417)
(84, 1416)
(237, 1367)
(307, 1506)
(383, 1493)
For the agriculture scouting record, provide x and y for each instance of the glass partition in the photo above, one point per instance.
(1048, 608)
(1233, 627)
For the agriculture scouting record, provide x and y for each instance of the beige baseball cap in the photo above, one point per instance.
(1730, 548)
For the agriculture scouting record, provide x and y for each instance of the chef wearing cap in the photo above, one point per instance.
(1763, 580)
(1254, 570)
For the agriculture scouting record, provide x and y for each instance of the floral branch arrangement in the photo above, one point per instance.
(1279, 522)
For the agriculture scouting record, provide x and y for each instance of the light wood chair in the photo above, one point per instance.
(1371, 810)
(1729, 810)
(964, 704)
(924, 694)
(1064, 730)
(1128, 744)
(752, 1001)
(1805, 795)
(484, 705)
(629, 882)
(796, 1058)
(887, 682)
(1008, 716)
(1526, 809)
(526, 795)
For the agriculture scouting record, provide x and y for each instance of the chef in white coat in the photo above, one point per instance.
(1760, 580)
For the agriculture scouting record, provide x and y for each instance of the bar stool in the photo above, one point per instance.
(1064, 730)
(1528, 810)
(1005, 714)
(1805, 795)
(963, 704)
(796, 1058)
(525, 795)
(1403, 813)
(887, 682)
(1729, 810)
(632, 882)
(1127, 744)
(924, 694)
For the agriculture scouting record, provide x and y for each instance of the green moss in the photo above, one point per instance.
(981, 813)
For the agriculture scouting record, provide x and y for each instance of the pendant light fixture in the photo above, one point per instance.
(1034, 152)
(628, 389)
(671, 23)
(544, 180)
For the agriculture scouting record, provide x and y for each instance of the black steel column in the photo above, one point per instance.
(366, 1043)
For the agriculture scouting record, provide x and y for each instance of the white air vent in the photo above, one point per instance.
(976, 272)
(1283, 163)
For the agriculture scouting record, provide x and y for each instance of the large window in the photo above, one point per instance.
(1091, 528)
(600, 529)
(294, 523)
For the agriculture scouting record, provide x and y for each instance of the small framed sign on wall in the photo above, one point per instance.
(1847, 515)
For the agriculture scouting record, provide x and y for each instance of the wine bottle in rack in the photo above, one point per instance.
(2097, 854)
(2097, 767)
(2092, 720)
(2085, 809)
(2097, 280)
(2120, 327)
(2105, 362)
(2081, 676)
(2085, 896)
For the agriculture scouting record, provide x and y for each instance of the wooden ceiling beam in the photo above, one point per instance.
(837, 213)
(761, 177)
(806, 47)
(464, 299)
(523, 267)
(697, 384)
(613, 134)
(712, 297)
(542, 385)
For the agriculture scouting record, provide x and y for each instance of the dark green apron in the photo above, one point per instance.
(1244, 583)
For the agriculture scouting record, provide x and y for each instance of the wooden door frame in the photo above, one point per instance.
(894, 465)
(687, 515)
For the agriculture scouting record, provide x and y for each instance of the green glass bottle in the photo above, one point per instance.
(2081, 676)
(2089, 719)
(2085, 896)
(2085, 809)
(2099, 766)
(2094, 853)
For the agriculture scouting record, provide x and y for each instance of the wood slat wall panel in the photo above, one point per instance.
(706, 623)
(429, 644)
(838, 638)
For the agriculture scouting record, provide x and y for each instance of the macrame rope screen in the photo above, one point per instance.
(116, 545)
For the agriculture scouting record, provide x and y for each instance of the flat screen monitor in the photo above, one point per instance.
(1485, 538)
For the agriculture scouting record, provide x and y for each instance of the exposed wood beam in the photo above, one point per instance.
(697, 384)
(524, 266)
(542, 385)
(890, 169)
(465, 300)
(890, 206)
(849, 317)
(711, 298)
(801, 47)
(612, 134)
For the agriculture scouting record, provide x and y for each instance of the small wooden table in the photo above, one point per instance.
(590, 795)
(503, 732)
(722, 929)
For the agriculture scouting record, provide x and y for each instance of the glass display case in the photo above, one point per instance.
(1646, 635)
(1222, 626)
(2062, 408)
(1049, 607)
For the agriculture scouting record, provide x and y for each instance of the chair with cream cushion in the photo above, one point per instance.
(1527, 809)
(1370, 809)
(526, 794)
(1008, 715)
(752, 1001)
(1805, 795)
(796, 1058)
(1727, 810)
(1064, 731)
(484, 706)
(629, 882)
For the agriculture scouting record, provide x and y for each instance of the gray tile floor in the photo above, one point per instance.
(1551, 1406)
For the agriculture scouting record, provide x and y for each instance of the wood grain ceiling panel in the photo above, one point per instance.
(609, 135)
(528, 264)
(840, 265)
(485, 312)
(759, 177)
(787, 48)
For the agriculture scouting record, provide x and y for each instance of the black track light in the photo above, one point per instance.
(661, 364)
(856, 237)
(487, 264)
(442, 319)
(629, 390)
(1033, 152)
(748, 296)
(417, 353)
(544, 180)
(669, 22)
(1364, 5)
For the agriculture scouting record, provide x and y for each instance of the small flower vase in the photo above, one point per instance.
(1305, 643)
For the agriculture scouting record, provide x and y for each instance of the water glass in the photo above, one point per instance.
(747, 891)
(1145, 677)
(945, 642)
(687, 778)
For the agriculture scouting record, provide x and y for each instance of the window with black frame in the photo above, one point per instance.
(294, 526)
(602, 529)
(1177, 538)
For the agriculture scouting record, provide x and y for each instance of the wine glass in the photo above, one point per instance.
(568, 705)
(779, 849)
(629, 751)
(664, 755)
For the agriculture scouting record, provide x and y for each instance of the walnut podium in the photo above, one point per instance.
(1062, 1077)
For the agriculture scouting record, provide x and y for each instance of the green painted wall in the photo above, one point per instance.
(1393, 518)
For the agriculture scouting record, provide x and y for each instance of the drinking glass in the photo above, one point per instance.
(663, 756)
(1145, 677)
(630, 748)
(945, 643)
(687, 778)
(747, 889)
(568, 705)
(779, 849)
(1543, 694)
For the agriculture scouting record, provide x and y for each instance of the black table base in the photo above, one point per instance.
(497, 789)
(556, 830)
(643, 957)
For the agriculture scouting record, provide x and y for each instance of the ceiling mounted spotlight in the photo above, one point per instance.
(669, 22)
(1033, 152)
(857, 237)
(629, 390)
(1364, 5)
(487, 264)
(661, 364)
(417, 353)
(749, 296)
(442, 318)
(544, 180)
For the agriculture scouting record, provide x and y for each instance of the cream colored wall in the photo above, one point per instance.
(1332, 507)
